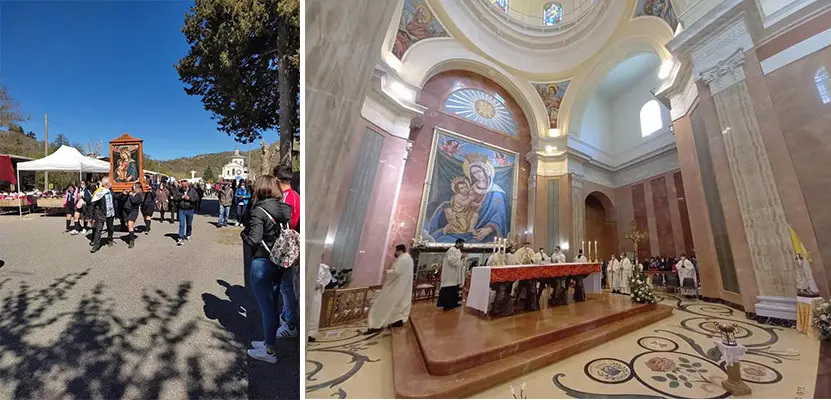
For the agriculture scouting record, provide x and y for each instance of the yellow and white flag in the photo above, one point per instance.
(798, 248)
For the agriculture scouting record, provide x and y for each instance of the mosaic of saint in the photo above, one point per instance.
(470, 192)
(658, 8)
(417, 23)
(552, 95)
(483, 108)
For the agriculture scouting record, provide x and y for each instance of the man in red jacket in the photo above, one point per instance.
(289, 316)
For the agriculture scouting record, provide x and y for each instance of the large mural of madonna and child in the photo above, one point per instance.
(471, 191)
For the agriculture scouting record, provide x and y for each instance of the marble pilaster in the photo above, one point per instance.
(578, 213)
(342, 47)
(719, 62)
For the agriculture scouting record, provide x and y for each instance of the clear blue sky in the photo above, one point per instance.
(101, 68)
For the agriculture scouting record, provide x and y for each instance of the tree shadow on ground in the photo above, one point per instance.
(89, 351)
(240, 316)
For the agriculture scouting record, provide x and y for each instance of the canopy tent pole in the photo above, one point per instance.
(19, 207)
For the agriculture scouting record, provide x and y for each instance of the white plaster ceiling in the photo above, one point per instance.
(627, 73)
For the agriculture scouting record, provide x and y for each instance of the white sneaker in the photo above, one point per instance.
(260, 354)
(180, 242)
(258, 344)
(74, 233)
(286, 332)
(187, 237)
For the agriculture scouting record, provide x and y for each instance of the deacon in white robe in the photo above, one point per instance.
(541, 258)
(511, 257)
(626, 270)
(525, 255)
(687, 277)
(558, 257)
(452, 276)
(392, 306)
(324, 276)
(580, 257)
(612, 271)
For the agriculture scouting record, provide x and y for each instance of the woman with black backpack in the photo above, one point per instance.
(263, 219)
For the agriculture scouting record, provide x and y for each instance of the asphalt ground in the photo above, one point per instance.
(155, 321)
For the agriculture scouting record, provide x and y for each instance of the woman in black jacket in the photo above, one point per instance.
(134, 197)
(263, 222)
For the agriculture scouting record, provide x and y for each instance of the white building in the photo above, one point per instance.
(236, 169)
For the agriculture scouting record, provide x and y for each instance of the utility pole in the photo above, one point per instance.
(45, 149)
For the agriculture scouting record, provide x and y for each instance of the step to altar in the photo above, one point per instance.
(457, 354)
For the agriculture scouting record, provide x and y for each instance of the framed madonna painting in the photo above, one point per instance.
(126, 165)
(470, 193)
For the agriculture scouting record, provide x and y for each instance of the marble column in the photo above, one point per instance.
(578, 214)
(719, 62)
(342, 44)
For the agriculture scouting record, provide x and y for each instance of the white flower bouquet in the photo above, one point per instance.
(641, 291)
(822, 319)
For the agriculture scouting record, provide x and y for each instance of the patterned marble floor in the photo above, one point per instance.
(674, 358)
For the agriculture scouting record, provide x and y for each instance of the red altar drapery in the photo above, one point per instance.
(542, 271)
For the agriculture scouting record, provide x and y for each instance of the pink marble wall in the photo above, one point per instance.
(663, 219)
(641, 218)
(432, 95)
(370, 258)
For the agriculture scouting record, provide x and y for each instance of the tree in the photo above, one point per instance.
(16, 129)
(244, 63)
(209, 175)
(32, 135)
(10, 113)
(60, 140)
(79, 146)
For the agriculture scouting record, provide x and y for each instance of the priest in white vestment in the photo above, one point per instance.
(393, 303)
(324, 276)
(612, 272)
(452, 276)
(687, 277)
(580, 257)
(557, 257)
(511, 257)
(540, 258)
(626, 271)
(525, 255)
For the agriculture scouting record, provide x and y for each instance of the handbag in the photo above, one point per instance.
(286, 249)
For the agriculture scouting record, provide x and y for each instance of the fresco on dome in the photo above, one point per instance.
(552, 94)
(417, 23)
(658, 8)
(471, 191)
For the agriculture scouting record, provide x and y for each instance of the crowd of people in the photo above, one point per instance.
(94, 206)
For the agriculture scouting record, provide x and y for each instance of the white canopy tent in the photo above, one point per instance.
(65, 158)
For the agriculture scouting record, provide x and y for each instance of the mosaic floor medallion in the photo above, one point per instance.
(656, 343)
(758, 373)
(676, 374)
(608, 370)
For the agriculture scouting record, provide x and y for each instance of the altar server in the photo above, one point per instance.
(510, 257)
(324, 276)
(392, 306)
(612, 274)
(452, 276)
(557, 257)
(580, 257)
(626, 270)
(686, 274)
(542, 258)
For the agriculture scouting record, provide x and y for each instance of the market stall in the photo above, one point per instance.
(64, 159)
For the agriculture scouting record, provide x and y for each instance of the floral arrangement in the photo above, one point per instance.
(822, 318)
(641, 291)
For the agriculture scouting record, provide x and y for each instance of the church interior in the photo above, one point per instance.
(687, 140)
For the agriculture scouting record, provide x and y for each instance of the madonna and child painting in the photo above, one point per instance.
(471, 191)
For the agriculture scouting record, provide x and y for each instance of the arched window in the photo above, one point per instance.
(552, 14)
(502, 4)
(822, 82)
(651, 120)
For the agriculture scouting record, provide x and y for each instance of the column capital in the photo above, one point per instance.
(725, 73)
(577, 181)
(718, 58)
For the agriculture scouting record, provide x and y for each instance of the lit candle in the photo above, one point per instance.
(582, 245)
(595, 251)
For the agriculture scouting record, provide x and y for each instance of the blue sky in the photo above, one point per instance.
(101, 68)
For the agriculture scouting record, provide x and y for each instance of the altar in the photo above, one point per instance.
(488, 284)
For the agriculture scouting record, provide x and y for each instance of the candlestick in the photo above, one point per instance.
(596, 257)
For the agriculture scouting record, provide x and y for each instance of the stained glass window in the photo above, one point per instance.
(502, 4)
(821, 81)
(552, 14)
(482, 107)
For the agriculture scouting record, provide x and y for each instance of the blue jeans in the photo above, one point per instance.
(289, 313)
(224, 212)
(240, 212)
(185, 219)
(263, 273)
